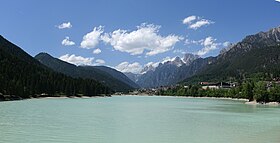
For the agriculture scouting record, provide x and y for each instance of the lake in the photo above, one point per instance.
(138, 119)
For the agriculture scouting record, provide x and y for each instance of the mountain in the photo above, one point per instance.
(169, 72)
(22, 76)
(255, 54)
(117, 75)
(133, 76)
(147, 68)
(108, 76)
(189, 58)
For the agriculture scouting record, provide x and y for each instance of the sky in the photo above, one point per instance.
(129, 34)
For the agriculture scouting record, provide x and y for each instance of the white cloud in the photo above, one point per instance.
(67, 42)
(181, 51)
(145, 38)
(209, 44)
(153, 64)
(200, 23)
(77, 60)
(91, 39)
(189, 42)
(195, 22)
(277, 0)
(127, 67)
(189, 19)
(166, 59)
(96, 51)
(226, 44)
(99, 62)
(64, 25)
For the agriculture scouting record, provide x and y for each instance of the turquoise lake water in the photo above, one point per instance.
(135, 119)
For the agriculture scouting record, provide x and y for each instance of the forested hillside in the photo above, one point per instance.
(22, 76)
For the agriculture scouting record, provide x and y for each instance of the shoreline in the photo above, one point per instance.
(260, 103)
(246, 101)
(225, 98)
(18, 98)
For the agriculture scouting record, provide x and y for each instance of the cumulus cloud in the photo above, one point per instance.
(153, 64)
(277, 0)
(181, 51)
(188, 41)
(226, 44)
(209, 44)
(96, 51)
(64, 25)
(91, 39)
(99, 62)
(67, 42)
(189, 19)
(200, 23)
(77, 60)
(195, 22)
(127, 67)
(145, 38)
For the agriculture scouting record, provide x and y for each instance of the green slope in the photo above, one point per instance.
(22, 76)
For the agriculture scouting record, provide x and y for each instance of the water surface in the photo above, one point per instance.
(135, 119)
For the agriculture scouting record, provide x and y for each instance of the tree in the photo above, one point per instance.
(260, 92)
(247, 90)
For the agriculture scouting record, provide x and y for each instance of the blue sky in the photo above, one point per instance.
(120, 33)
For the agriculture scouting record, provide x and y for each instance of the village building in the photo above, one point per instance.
(218, 85)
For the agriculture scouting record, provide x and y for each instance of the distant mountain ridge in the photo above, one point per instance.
(108, 76)
(255, 53)
(168, 72)
(259, 53)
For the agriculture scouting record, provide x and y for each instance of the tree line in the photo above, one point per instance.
(260, 91)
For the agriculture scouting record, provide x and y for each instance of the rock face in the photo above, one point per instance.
(108, 76)
(177, 62)
(189, 58)
(161, 76)
(268, 38)
(147, 68)
(132, 76)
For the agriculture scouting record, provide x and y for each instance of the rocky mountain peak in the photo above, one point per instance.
(275, 32)
(224, 50)
(270, 37)
(177, 61)
(147, 68)
(189, 58)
